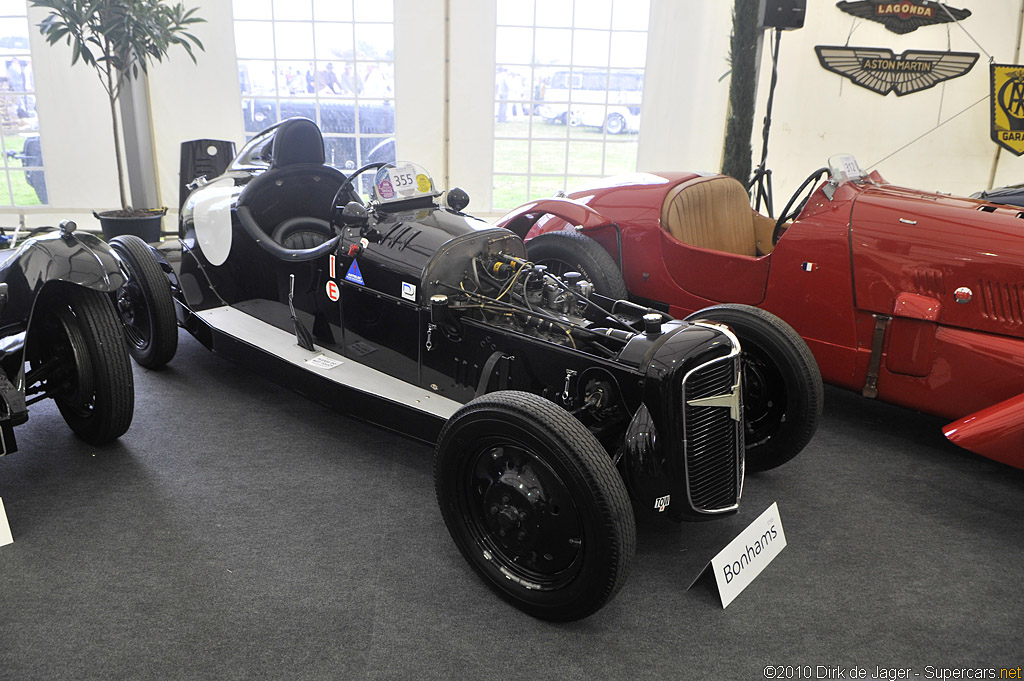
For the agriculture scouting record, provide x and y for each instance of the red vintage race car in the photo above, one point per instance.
(907, 296)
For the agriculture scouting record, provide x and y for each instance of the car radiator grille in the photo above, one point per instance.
(713, 440)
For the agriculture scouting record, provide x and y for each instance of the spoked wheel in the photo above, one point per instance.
(569, 251)
(782, 390)
(145, 305)
(77, 356)
(535, 505)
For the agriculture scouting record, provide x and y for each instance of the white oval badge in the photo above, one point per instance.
(332, 291)
(963, 295)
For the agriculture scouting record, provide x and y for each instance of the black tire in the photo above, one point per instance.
(568, 251)
(615, 125)
(145, 304)
(575, 534)
(76, 351)
(782, 391)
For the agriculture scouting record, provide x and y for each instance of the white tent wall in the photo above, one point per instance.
(816, 113)
(685, 96)
(194, 101)
(76, 135)
(187, 101)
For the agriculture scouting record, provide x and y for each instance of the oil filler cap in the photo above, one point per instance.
(652, 324)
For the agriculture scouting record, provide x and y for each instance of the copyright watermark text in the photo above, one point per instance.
(821, 671)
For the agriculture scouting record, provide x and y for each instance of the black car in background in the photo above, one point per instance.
(340, 121)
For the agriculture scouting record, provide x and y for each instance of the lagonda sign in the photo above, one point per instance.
(1007, 82)
(905, 16)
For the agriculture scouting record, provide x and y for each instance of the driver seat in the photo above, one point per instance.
(714, 212)
(291, 201)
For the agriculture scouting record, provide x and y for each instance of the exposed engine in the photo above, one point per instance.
(509, 291)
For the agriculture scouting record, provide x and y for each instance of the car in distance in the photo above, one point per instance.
(911, 297)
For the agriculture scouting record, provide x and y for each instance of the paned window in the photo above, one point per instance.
(569, 81)
(23, 182)
(331, 61)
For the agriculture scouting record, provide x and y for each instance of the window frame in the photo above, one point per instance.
(539, 182)
(363, 143)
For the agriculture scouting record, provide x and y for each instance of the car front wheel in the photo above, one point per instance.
(535, 505)
(782, 389)
(77, 356)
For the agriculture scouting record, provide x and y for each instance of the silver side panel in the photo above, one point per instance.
(328, 365)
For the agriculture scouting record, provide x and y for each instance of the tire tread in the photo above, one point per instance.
(157, 290)
(112, 371)
(570, 244)
(595, 469)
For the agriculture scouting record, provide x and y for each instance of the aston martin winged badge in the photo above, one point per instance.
(883, 71)
(905, 16)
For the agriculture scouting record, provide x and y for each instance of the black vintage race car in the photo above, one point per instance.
(554, 411)
(60, 336)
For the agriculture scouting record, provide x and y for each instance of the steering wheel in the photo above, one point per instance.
(790, 212)
(347, 184)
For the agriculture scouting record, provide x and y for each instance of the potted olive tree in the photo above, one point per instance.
(120, 38)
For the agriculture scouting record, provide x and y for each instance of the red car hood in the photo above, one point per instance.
(967, 255)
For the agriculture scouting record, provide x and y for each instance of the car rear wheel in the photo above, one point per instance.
(615, 125)
(570, 251)
(145, 305)
(782, 390)
(535, 505)
(77, 356)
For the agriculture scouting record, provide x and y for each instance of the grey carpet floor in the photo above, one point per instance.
(239, 531)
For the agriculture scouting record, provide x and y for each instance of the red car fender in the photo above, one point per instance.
(996, 432)
(523, 220)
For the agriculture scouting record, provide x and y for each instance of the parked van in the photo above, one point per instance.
(594, 97)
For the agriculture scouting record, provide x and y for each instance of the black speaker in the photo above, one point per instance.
(202, 157)
(784, 14)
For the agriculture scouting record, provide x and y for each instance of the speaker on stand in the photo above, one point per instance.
(782, 15)
(785, 15)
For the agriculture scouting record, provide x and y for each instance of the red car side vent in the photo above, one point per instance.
(1002, 302)
(929, 281)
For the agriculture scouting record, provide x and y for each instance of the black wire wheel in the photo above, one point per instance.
(783, 394)
(145, 304)
(77, 356)
(535, 505)
(570, 251)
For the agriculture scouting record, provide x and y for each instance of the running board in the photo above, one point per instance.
(324, 376)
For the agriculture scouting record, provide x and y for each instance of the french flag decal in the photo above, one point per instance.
(809, 266)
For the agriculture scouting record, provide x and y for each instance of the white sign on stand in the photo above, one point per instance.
(737, 565)
(5, 528)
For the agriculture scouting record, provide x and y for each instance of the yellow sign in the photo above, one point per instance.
(1008, 106)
